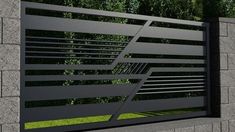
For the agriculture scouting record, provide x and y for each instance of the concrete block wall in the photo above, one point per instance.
(9, 65)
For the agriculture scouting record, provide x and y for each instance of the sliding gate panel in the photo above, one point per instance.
(86, 69)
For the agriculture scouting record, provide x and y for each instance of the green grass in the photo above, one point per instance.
(155, 113)
(66, 122)
(103, 118)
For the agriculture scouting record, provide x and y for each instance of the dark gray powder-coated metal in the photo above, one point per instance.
(157, 69)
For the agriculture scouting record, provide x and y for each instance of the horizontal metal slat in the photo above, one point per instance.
(180, 69)
(164, 92)
(193, 76)
(181, 87)
(166, 49)
(67, 53)
(169, 33)
(63, 67)
(73, 39)
(166, 61)
(68, 111)
(164, 104)
(82, 26)
(67, 48)
(64, 57)
(79, 91)
(173, 80)
(81, 77)
(169, 84)
(102, 67)
(77, 44)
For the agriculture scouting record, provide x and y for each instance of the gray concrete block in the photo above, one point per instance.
(166, 130)
(224, 126)
(231, 61)
(224, 61)
(231, 30)
(232, 95)
(11, 31)
(216, 127)
(223, 29)
(11, 127)
(10, 83)
(232, 126)
(144, 128)
(9, 57)
(227, 78)
(9, 110)
(224, 95)
(0, 30)
(227, 45)
(185, 129)
(0, 84)
(10, 8)
(227, 111)
(203, 128)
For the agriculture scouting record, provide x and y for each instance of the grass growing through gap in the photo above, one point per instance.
(104, 118)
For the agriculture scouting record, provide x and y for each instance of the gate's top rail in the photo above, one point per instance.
(109, 14)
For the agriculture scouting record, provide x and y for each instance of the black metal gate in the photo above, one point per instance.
(80, 74)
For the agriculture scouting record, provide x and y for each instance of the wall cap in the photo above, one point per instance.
(227, 20)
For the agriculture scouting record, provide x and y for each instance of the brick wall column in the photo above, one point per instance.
(227, 71)
(9, 65)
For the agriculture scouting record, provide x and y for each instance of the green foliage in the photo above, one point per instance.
(228, 8)
(132, 6)
(218, 8)
(182, 9)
